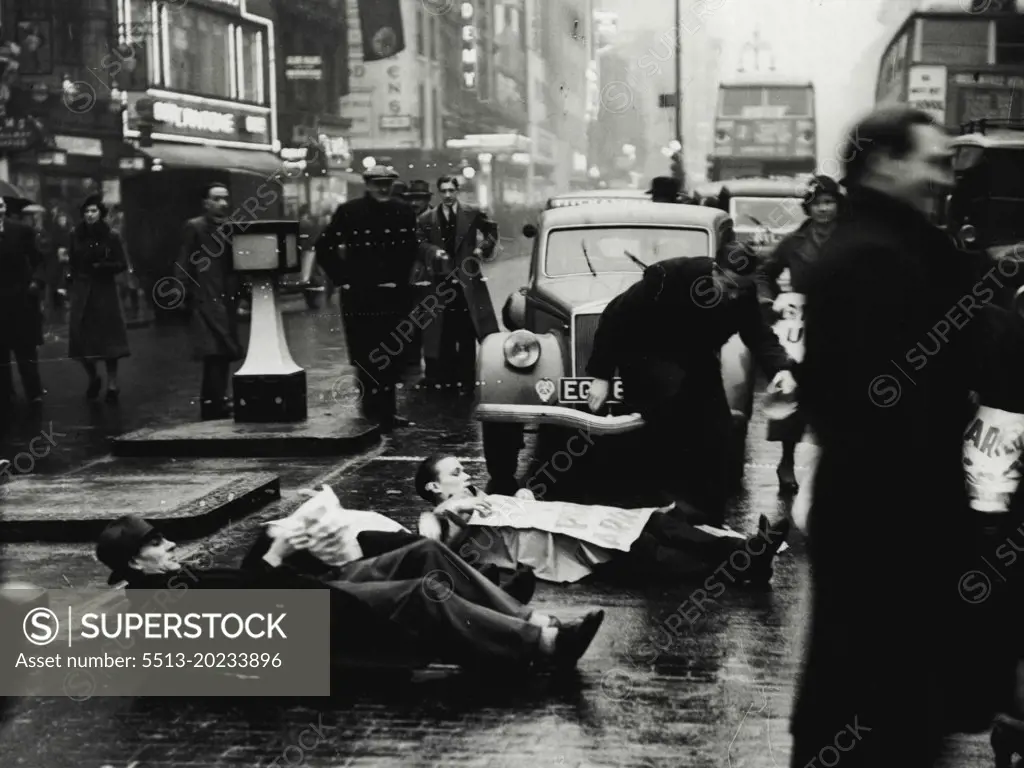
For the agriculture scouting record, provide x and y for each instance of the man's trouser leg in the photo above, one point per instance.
(502, 443)
(376, 371)
(450, 573)
(28, 367)
(214, 390)
(465, 356)
(649, 558)
(455, 628)
(679, 535)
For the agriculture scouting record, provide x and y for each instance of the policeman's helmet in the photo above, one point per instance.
(380, 173)
(818, 186)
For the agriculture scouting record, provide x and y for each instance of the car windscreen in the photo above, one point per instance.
(779, 214)
(587, 250)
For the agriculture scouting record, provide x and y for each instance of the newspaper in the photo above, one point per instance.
(992, 458)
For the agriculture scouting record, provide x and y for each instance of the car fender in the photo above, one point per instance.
(501, 383)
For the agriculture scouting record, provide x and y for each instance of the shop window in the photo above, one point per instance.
(251, 77)
(199, 53)
(954, 41)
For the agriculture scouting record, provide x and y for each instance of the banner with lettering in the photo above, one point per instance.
(608, 527)
(381, 25)
(992, 458)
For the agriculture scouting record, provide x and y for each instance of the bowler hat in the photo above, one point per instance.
(121, 541)
(664, 186)
(399, 188)
(378, 173)
(419, 188)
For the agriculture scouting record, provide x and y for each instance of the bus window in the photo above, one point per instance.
(795, 101)
(954, 41)
(735, 101)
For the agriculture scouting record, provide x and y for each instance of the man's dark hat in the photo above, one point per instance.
(379, 172)
(664, 186)
(120, 542)
(418, 188)
(737, 257)
(399, 189)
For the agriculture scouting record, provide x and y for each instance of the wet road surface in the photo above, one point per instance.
(653, 690)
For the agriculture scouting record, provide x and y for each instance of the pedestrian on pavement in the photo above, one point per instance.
(96, 328)
(790, 261)
(700, 303)
(892, 642)
(378, 238)
(455, 240)
(665, 189)
(212, 294)
(418, 196)
(22, 281)
(61, 235)
(668, 548)
(418, 603)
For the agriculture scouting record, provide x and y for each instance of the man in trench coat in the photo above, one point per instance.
(212, 292)
(899, 651)
(463, 313)
(22, 277)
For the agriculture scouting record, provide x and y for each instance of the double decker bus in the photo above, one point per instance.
(764, 127)
(958, 60)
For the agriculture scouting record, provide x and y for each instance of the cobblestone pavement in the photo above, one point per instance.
(716, 692)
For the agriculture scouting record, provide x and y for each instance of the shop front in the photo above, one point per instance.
(202, 111)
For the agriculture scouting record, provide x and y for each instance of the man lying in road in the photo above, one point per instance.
(420, 601)
(566, 542)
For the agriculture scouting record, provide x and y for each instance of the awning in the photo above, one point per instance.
(199, 156)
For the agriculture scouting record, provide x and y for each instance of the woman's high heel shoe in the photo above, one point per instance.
(788, 486)
(1007, 740)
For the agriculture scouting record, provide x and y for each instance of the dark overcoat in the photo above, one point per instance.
(884, 384)
(210, 289)
(368, 250)
(463, 268)
(96, 328)
(22, 275)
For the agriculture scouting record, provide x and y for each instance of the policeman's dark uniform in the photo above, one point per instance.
(378, 242)
(665, 341)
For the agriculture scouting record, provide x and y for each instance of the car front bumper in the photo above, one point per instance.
(557, 415)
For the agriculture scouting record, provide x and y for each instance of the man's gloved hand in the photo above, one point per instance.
(783, 382)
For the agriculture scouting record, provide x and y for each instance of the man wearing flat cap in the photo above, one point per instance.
(368, 250)
(413, 605)
(699, 303)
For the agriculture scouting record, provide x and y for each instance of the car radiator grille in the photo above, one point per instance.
(583, 340)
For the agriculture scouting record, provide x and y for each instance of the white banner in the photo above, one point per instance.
(609, 527)
(790, 326)
(992, 455)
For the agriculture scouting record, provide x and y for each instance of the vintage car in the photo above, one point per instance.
(985, 211)
(534, 373)
(764, 210)
(588, 196)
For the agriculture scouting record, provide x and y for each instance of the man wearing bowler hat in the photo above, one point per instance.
(376, 236)
(664, 189)
(416, 604)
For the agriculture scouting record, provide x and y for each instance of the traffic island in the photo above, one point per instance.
(330, 430)
(187, 504)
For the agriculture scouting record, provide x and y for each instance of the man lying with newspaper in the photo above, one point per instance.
(413, 605)
(566, 542)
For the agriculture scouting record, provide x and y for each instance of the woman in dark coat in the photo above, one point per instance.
(96, 328)
(792, 257)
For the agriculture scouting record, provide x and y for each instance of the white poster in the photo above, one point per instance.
(790, 325)
(992, 456)
(927, 90)
(609, 527)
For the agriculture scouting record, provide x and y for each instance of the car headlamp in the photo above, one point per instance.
(522, 349)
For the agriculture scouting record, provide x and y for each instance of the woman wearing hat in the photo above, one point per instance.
(786, 272)
(96, 329)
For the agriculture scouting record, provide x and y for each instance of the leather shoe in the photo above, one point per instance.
(574, 638)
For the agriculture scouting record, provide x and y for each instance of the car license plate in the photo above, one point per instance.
(577, 390)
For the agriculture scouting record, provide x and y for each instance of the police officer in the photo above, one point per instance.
(377, 238)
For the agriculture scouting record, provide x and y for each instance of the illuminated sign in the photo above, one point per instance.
(199, 118)
(470, 49)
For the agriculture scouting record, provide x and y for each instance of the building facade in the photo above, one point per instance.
(312, 77)
(61, 132)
